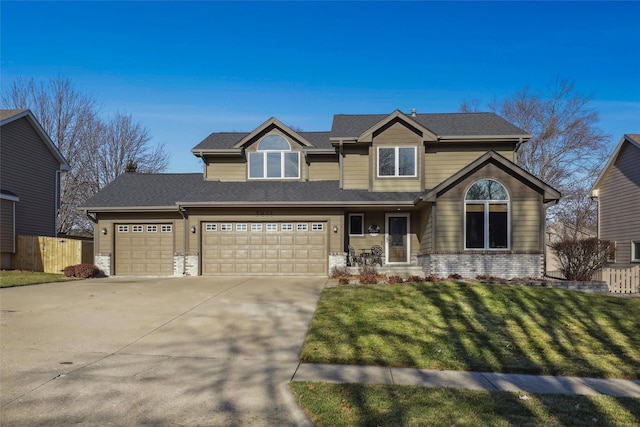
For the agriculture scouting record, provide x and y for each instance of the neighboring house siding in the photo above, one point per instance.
(356, 168)
(619, 198)
(526, 214)
(29, 171)
(442, 161)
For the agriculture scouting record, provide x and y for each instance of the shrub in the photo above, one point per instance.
(433, 278)
(339, 272)
(393, 280)
(343, 281)
(454, 276)
(86, 271)
(579, 259)
(368, 275)
(69, 271)
(415, 279)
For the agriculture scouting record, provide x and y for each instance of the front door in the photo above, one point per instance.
(397, 239)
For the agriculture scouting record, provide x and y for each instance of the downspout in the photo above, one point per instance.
(185, 225)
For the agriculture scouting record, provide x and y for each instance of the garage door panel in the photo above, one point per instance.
(265, 248)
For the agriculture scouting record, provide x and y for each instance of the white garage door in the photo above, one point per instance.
(144, 249)
(264, 248)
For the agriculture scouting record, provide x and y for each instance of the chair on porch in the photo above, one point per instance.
(352, 258)
(376, 255)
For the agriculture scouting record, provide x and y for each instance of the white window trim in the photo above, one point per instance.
(302, 226)
(241, 226)
(152, 228)
(352, 215)
(167, 228)
(123, 228)
(137, 228)
(210, 227)
(271, 226)
(226, 227)
(317, 226)
(256, 227)
(397, 162)
(286, 226)
(264, 164)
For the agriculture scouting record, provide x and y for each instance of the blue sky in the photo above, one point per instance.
(186, 69)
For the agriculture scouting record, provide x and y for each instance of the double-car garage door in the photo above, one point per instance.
(264, 248)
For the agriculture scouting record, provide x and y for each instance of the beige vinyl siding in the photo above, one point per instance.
(29, 171)
(324, 168)
(426, 229)
(619, 199)
(527, 221)
(7, 238)
(442, 161)
(226, 169)
(396, 135)
(356, 168)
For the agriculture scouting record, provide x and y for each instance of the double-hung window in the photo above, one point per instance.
(274, 159)
(486, 222)
(397, 161)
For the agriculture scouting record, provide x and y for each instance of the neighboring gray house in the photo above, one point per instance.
(30, 167)
(618, 192)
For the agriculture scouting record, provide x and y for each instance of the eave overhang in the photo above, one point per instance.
(626, 139)
(234, 152)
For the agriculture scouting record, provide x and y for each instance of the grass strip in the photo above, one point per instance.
(476, 327)
(384, 405)
(11, 278)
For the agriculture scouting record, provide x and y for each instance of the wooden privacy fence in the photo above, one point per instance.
(621, 280)
(50, 254)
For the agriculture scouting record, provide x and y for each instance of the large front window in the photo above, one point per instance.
(396, 161)
(274, 159)
(486, 216)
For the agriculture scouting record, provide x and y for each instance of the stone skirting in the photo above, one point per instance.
(505, 265)
(186, 264)
(337, 260)
(103, 262)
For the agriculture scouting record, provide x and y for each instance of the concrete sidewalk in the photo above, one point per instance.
(469, 380)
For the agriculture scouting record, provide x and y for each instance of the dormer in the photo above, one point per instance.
(273, 151)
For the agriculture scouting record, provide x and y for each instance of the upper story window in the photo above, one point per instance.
(397, 161)
(274, 159)
(486, 208)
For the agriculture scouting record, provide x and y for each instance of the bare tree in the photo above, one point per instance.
(91, 146)
(567, 148)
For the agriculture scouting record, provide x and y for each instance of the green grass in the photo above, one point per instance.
(384, 405)
(474, 327)
(10, 278)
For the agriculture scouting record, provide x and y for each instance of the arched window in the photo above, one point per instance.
(487, 216)
(274, 159)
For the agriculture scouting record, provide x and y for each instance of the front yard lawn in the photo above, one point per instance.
(10, 278)
(383, 405)
(475, 327)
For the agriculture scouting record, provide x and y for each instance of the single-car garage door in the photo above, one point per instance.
(145, 249)
(264, 248)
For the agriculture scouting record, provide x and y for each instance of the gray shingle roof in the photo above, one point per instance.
(147, 190)
(220, 140)
(442, 124)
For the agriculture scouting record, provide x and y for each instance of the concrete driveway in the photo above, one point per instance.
(161, 351)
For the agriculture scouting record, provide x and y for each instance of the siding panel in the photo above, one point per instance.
(29, 171)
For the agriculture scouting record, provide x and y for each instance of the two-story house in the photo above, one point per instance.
(438, 192)
(617, 189)
(30, 168)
